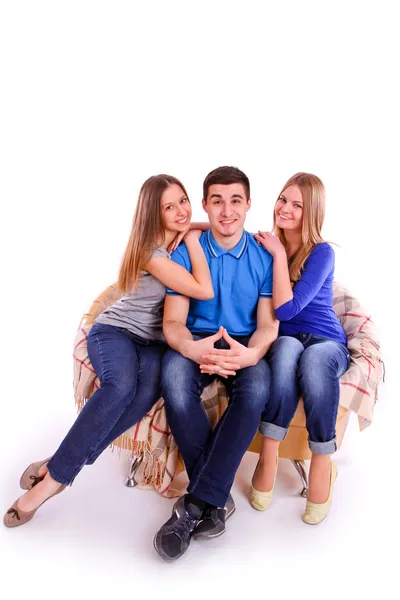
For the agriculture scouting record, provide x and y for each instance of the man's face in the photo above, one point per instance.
(226, 206)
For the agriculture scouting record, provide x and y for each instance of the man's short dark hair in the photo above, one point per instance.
(226, 176)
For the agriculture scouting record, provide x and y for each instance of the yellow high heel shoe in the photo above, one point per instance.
(262, 500)
(315, 513)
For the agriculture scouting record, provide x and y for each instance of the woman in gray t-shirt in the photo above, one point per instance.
(126, 343)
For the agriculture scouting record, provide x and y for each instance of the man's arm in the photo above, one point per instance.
(176, 309)
(267, 329)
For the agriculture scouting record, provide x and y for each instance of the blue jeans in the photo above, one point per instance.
(212, 457)
(129, 370)
(309, 365)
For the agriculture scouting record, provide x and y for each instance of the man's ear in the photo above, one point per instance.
(204, 204)
(249, 204)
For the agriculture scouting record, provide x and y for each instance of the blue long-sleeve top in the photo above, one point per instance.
(311, 309)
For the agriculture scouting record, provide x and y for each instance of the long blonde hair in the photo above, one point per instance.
(313, 193)
(147, 230)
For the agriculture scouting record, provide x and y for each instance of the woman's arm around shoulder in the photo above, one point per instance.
(175, 274)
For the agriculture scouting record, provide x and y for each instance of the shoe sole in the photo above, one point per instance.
(209, 536)
(307, 523)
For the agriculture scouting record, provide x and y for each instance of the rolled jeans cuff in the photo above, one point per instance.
(323, 447)
(275, 432)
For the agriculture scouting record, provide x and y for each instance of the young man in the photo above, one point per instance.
(225, 337)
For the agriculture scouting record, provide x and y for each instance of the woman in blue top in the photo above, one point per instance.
(310, 353)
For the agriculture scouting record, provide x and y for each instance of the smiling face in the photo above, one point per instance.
(226, 206)
(176, 210)
(289, 209)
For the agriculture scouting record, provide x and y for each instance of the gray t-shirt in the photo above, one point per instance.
(142, 311)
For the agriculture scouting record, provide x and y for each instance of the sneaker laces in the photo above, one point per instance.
(211, 512)
(185, 524)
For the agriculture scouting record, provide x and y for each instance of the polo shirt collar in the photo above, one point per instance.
(237, 251)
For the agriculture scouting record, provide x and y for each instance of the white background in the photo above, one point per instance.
(97, 96)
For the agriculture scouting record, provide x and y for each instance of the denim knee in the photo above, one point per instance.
(319, 365)
(123, 388)
(176, 378)
(283, 356)
(254, 384)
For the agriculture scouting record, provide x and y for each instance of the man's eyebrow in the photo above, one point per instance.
(219, 196)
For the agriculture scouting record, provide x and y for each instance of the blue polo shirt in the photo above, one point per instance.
(240, 277)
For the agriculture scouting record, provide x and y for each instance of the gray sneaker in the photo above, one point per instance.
(173, 539)
(213, 521)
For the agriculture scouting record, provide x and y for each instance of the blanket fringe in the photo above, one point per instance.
(124, 442)
(153, 472)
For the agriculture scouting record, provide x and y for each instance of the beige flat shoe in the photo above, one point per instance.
(262, 500)
(315, 513)
(30, 477)
(15, 516)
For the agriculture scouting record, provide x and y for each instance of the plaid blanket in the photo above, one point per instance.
(151, 438)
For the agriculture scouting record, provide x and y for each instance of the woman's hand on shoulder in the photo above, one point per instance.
(193, 231)
(270, 242)
(193, 234)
